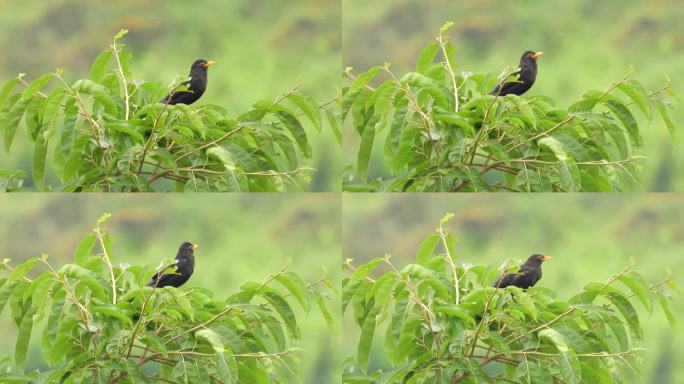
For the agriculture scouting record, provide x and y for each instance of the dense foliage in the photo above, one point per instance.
(102, 325)
(443, 132)
(445, 323)
(112, 134)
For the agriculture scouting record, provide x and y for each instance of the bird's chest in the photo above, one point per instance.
(198, 85)
(185, 266)
(527, 75)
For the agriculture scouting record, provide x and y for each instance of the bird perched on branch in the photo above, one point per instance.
(196, 85)
(184, 267)
(527, 74)
(527, 276)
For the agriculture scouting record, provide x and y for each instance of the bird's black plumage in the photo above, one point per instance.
(195, 86)
(526, 76)
(527, 276)
(185, 266)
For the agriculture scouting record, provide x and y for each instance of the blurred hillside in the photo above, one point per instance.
(587, 44)
(240, 237)
(262, 48)
(590, 236)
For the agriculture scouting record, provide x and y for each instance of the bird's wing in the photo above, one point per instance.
(177, 90)
(509, 81)
(159, 276)
(506, 280)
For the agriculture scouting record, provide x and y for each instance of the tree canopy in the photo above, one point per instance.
(101, 324)
(440, 130)
(110, 133)
(443, 322)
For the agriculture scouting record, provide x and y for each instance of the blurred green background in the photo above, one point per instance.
(262, 48)
(587, 44)
(242, 238)
(590, 236)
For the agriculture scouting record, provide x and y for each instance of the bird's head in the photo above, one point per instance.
(201, 65)
(530, 56)
(537, 259)
(187, 247)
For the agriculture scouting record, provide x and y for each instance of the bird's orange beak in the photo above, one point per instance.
(537, 54)
(194, 246)
(544, 258)
(209, 64)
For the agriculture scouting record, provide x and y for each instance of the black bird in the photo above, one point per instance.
(196, 85)
(185, 266)
(526, 76)
(527, 276)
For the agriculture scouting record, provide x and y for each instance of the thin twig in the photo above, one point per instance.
(442, 44)
(218, 315)
(122, 77)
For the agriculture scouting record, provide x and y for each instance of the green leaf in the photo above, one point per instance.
(122, 32)
(20, 270)
(35, 86)
(7, 89)
(366, 339)
(627, 120)
(457, 120)
(112, 311)
(334, 120)
(211, 337)
(126, 129)
(42, 286)
(39, 160)
(365, 149)
(456, 311)
(52, 104)
(555, 146)
(284, 310)
(638, 94)
(628, 312)
(570, 369)
(86, 277)
(238, 181)
(569, 176)
(532, 372)
(297, 131)
(427, 276)
(525, 301)
(364, 78)
(417, 80)
(671, 319)
(667, 120)
(84, 249)
(555, 338)
(426, 57)
(308, 105)
(99, 67)
(296, 286)
(596, 375)
(426, 249)
(227, 368)
(364, 270)
(10, 121)
(639, 286)
(154, 342)
(90, 87)
(32, 117)
(179, 297)
(382, 290)
(325, 311)
(23, 338)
